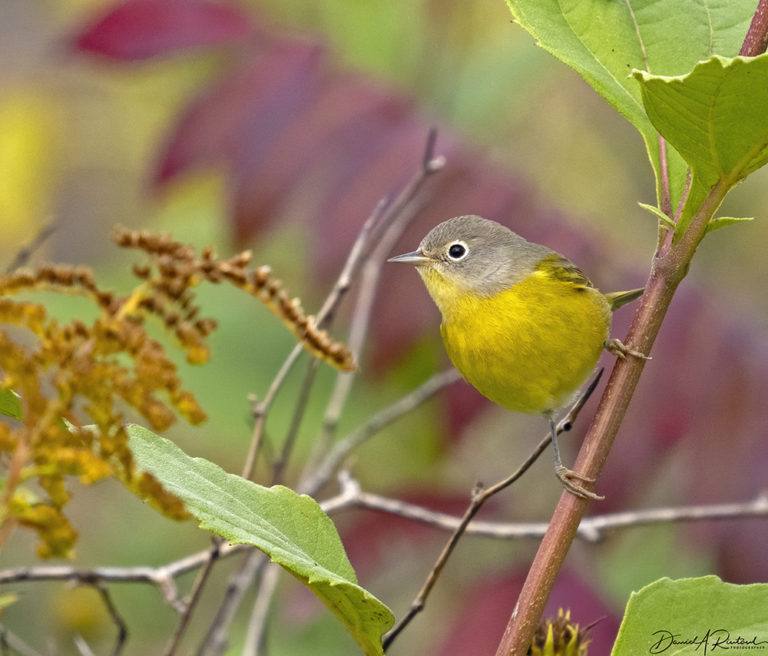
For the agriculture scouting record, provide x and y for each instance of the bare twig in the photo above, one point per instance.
(256, 636)
(25, 252)
(592, 529)
(216, 640)
(479, 497)
(162, 577)
(194, 596)
(293, 430)
(351, 266)
(377, 237)
(384, 235)
(114, 615)
(385, 220)
(375, 424)
(340, 288)
(82, 646)
(12, 641)
(262, 407)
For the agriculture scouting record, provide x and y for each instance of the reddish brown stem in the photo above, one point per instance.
(756, 40)
(667, 272)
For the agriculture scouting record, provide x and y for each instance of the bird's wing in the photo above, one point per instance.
(562, 269)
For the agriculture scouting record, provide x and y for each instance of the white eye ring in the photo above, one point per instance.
(458, 250)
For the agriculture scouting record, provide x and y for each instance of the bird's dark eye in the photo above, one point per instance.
(457, 251)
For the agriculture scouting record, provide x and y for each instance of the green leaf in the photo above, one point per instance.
(290, 528)
(605, 41)
(723, 221)
(715, 116)
(10, 406)
(658, 214)
(694, 616)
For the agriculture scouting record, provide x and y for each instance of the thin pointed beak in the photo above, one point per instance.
(415, 257)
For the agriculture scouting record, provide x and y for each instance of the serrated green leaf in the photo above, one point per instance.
(715, 116)
(658, 214)
(694, 616)
(290, 528)
(723, 221)
(605, 41)
(10, 406)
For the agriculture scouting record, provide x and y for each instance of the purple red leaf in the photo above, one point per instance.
(140, 29)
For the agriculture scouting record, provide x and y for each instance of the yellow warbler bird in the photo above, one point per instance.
(521, 323)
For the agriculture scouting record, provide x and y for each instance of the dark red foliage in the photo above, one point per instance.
(140, 29)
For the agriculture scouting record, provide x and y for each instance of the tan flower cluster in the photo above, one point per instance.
(65, 385)
(179, 269)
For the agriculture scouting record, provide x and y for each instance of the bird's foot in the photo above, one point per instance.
(572, 480)
(621, 350)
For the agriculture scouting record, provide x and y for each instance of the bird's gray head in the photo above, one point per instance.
(477, 254)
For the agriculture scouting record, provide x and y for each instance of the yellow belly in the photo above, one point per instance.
(528, 348)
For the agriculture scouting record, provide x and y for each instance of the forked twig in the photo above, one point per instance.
(479, 497)
(380, 229)
(592, 529)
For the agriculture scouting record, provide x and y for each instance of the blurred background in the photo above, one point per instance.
(277, 125)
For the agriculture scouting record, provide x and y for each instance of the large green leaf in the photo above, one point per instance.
(695, 616)
(290, 528)
(716, 117)
(605, 41)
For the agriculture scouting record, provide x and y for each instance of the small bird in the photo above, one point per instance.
(521, 323)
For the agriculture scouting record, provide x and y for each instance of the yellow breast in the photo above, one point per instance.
(528, 348)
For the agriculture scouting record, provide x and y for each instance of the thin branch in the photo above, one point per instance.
(340, 288)
(262, 407)
(293, 430)
(26, 252)
(194, 596)
(162, 577)
(256, 636)
(385, 220)
(592, 529)
(351, 266)
(82, 646)
(217, 638)
(9, 639)
(341, 450)
(479, 497)
(114, 615)
(384, 234)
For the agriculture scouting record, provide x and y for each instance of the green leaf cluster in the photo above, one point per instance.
(671, 68)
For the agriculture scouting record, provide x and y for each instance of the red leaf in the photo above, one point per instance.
(230, 121)
(140, 29)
